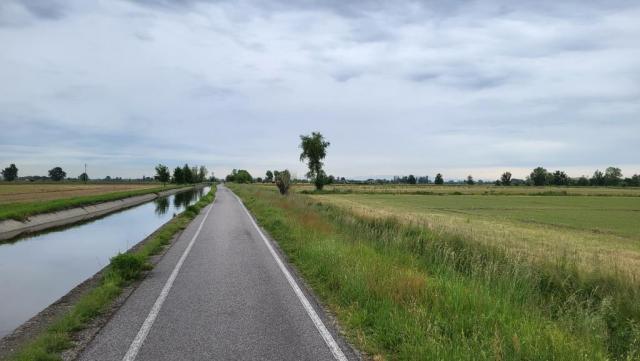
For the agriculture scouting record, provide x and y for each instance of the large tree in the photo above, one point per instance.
(314, 150)
(411, 179)
(202, 173)
(162, 173)
(505, 179)
(239, 176)
(612, 176)
(84, 177)
(269, 176)
(559, 178)
(539, 176)
(178, 175)
(57, 174)
(10, 173)
(439, 179)
(187, 173)
(597, 179)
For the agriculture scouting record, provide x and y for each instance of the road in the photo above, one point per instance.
(221, 292)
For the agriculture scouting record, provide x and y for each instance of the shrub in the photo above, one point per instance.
(128, 266)
(283, 181)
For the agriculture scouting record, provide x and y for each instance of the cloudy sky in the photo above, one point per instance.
(398, 87)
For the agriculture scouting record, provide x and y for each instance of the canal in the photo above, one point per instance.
(37, 270)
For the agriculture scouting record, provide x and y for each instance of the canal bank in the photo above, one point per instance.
(12, 228)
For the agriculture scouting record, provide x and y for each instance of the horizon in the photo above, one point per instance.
(398, 89)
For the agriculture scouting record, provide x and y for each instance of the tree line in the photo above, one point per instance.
(56, 174)
(181, 175)
(611, 177)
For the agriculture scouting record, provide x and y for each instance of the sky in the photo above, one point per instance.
(398, 87)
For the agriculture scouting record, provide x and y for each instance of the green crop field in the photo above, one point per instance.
(467, 274)
(615, 215)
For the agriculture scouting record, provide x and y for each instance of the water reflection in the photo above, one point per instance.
(184, 199)
(38, 269)
(162, 206)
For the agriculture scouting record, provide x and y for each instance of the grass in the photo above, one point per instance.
(122, 270)
(405, 291)
(22, 210)
(590, 232)
(613, 215)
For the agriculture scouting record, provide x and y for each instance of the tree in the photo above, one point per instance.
(597, 179)
(634, 181)
(187, 173)
(178, 176)
(10, 173)
(57, 174)
(283, 181)
(411, 179)
(505, 179)
(582, 181)
(269, 177)
(162, 173)
(559, 178)
(239, 176)
(314, 149)
(243, 176)
(84, 177)
(470, 180)
(539, 176)
(202, 173)
(612, 176)
(439, 179)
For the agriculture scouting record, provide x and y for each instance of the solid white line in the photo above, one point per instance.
(146, 326)
(324, 332)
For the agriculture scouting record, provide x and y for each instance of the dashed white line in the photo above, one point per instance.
(148, 322)
(322, 329)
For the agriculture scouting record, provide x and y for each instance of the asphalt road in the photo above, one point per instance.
(220, 293)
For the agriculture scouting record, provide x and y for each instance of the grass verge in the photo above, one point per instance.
(22, 210)
(404, 292)
(122, 270)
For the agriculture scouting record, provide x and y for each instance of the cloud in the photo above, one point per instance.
(398, 87)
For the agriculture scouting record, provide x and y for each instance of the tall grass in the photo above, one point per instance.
(405, 292)
(122, 270)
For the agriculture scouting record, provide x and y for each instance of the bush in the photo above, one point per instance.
(128, 266)
(283, 181)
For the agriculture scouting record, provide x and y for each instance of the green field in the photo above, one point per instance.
(467, 277)
(615, 215)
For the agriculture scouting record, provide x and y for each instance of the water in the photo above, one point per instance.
(37, 270)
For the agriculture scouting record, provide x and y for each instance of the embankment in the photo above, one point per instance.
(12, 228)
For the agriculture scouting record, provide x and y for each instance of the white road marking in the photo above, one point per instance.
(148, 322)
(324, 332)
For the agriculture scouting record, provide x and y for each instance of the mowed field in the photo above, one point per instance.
(468, 273)
(587, 229)
(30, 192)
